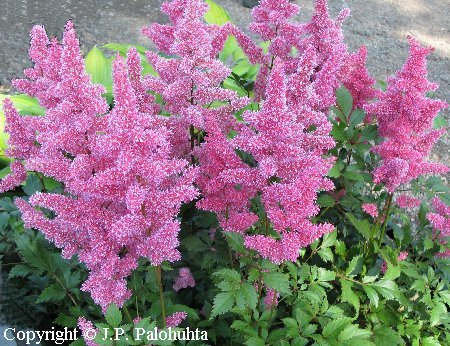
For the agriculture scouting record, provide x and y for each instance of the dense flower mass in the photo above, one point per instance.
(404, 201)
(405, 121)
(123, 190)
(258, 162)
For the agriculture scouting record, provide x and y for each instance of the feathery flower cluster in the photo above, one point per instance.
(356, 79)
(175, 319)
(404, 201)
(371, 209)
(184, 279)
(271, 299)
(123, 189)
(286, 138)
(440, 220)
(88, 328)
(405, 118)
(189, 80)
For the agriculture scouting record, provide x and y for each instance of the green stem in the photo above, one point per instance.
(386, 216)
(161, 295)
(127, 313)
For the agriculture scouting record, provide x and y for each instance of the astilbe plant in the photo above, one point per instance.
(179, 147)
(123, 189)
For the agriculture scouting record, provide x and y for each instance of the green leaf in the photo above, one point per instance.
(440, 122)
(344, 100)
(255, 341)
(353, 176)
(362, 226)
(216, 14)
(325, 275)
(277, 281)
(430, 341)
(335, 171)
(229, 275)
(353, 333)
(223, 302)
(247, 296)
(387, 288)
(385, 336)
(329, 239)
(113, 316)
(333, 328)
(325, 201)
(438, 311)
(20, 270)
(357, 117)
(32, 185)
(326, 254)
(372, 295)
(353, 264)
(348, 295)
(54, 293)
(99, 68)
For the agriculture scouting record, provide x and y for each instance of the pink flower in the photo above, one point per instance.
(184, 279)
(271, 299)
(371, 209)
(440, 220)
(405, 120)
(404, 201)
(88, 331)
(123, 189)
(175, 319)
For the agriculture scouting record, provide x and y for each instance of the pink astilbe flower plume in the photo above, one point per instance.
(276, 140)
(190, 79)
(184, 279)
(440, 220)
(356, 79)
(405, 118)
(123, 190)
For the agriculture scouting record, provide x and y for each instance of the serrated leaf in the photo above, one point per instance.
(357, 117)
(335, 171)
(248, 295)
(113, 316)
(348, 295)
(223, 303)
(229, 275)
(329, 239)
(333, 328)
(437, 312)
(54, 293)
(20, 270)
(372, 295)
(277, 281)
(353, 264)
(326, 254)
(387, 288)
(384, 336)
(353, 332)
(255, 341)
(362, 226)
(325, 201)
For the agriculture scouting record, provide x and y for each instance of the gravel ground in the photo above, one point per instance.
(382, 25)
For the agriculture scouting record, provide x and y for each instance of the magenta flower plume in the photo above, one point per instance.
(184, 279)
(371, 209)
(190, 79)
(123, 190)
(356, 79)
(405, 118)
(440, 220)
